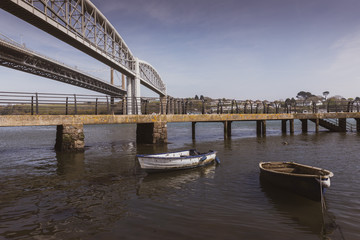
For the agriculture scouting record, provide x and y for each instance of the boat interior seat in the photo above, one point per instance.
(285, 170)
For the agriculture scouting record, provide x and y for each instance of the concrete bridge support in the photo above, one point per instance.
(163, 104)
(151, 133)
(133, 92)
(70, 138)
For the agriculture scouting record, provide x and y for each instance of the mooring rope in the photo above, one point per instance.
(324, 212)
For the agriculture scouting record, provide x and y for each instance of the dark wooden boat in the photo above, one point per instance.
(305, 180)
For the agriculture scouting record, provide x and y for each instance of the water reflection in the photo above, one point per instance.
(306, 213)
(159, 183)
(70, 165)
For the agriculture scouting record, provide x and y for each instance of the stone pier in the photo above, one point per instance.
(150, 133)
(70, 138)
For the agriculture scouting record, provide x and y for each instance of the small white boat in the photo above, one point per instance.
(176, 160)
(303, 179)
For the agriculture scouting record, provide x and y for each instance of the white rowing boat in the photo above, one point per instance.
(176, 160)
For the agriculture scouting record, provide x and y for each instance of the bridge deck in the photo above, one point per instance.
(47, 120)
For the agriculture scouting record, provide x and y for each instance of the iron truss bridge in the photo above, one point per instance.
(18, 57)
(80, 24)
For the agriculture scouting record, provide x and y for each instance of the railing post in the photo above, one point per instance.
(96, 107)
(203, 107)
(146, 106)
(37, 103)
(67, 106)
(32, 105)
(328, 106)
(107, 105)
(75, 104)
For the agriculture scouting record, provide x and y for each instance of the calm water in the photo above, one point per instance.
(102, 193)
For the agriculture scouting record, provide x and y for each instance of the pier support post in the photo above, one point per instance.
(357, 124)
(70, 138)
(261, 128)
(304, 125)
(317, 125)
(291, 126)
(227, 129)
(151, 133)
(283, 126)
(258, 128)
(193, 129)
(342, 124)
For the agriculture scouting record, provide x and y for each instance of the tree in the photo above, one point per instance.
(304, 95)
(326, 93)
(201, 97)
(196, 97)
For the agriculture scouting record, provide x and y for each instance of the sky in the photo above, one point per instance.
(236, 49)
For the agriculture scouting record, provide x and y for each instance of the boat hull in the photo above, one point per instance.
(306, 184)
(175, 161)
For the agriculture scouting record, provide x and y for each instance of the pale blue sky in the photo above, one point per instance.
(244, 49)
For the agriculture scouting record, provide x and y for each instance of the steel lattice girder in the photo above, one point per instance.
(80, 24)
(19, 58)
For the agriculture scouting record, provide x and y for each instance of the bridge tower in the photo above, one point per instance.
(133, 91)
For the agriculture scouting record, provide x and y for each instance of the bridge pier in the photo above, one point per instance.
(70, 138)
(151, 133)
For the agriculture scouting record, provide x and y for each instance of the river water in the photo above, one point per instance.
(102, 193)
